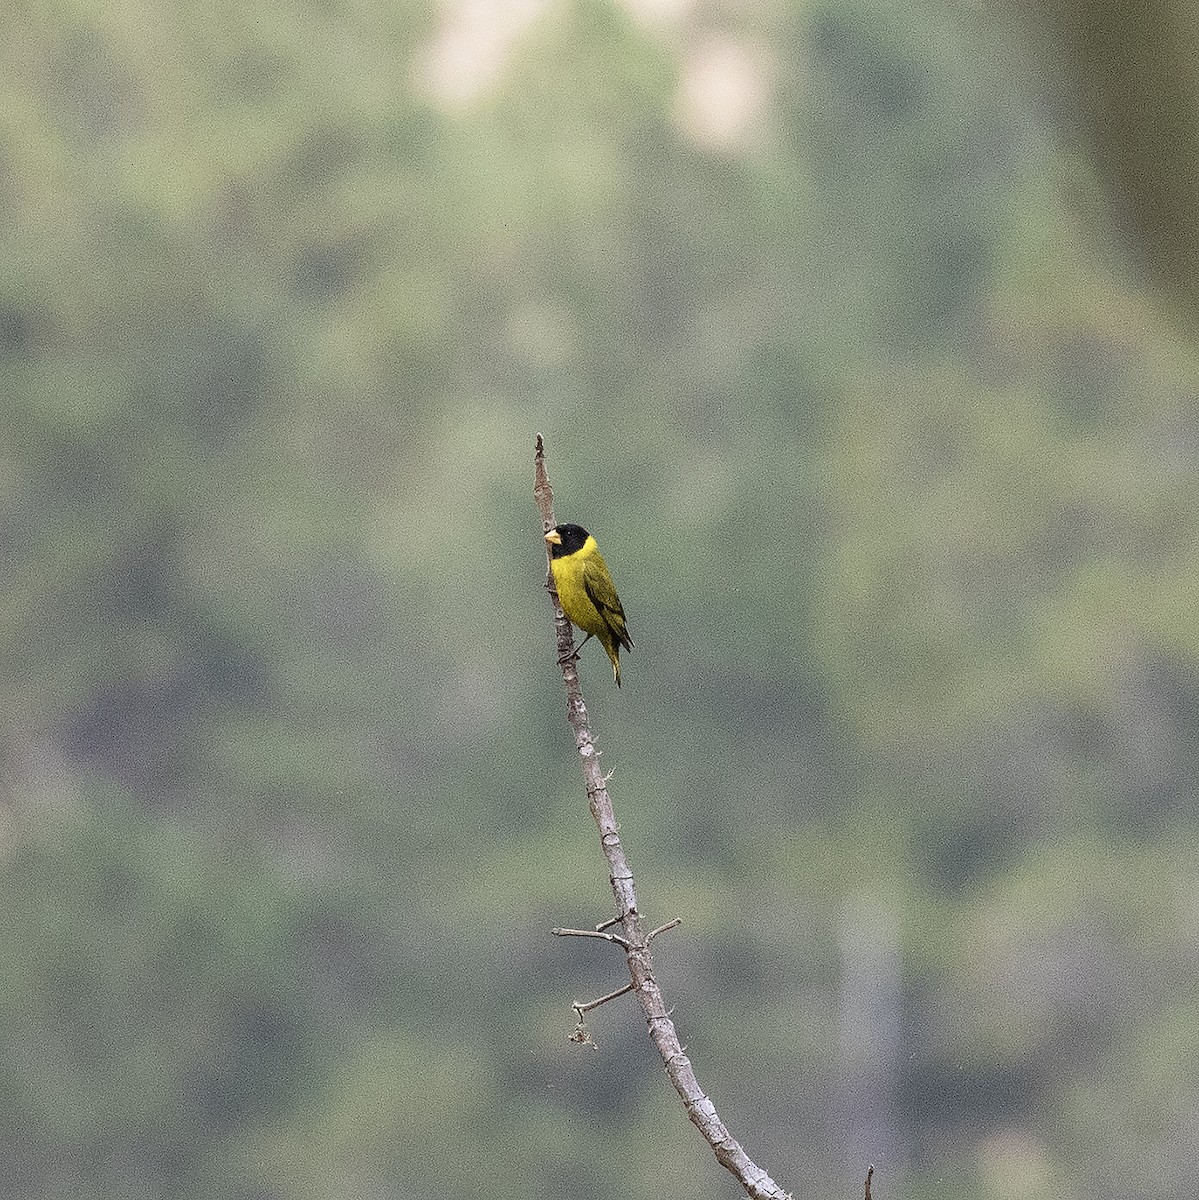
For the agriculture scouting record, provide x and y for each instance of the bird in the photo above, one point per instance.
(586, 591)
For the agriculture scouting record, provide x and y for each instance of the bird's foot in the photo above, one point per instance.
(573, 656)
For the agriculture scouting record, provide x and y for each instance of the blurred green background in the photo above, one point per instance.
(855, 336)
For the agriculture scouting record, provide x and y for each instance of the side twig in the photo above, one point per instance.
(701, 1111)
(653, 933)
(580, 1009)
(595, 933)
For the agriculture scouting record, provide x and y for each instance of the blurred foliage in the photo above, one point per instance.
(895, 464)
(1122, 80)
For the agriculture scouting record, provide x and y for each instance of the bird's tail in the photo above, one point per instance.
(613, 649)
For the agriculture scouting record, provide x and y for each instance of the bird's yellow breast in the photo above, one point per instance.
(572, 594)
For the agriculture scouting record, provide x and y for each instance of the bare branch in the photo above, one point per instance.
(595, 933)
(869, 1177)
(581, 1034)
(700, 1110)
(582, 1008)
(653, 933)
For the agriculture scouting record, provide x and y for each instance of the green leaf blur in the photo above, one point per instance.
(894, 458)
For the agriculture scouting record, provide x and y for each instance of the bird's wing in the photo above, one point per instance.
(598, 585)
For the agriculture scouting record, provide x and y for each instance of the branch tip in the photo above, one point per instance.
(581, 1035)
(869, 1177)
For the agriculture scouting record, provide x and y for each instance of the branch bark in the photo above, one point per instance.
(701, 1111)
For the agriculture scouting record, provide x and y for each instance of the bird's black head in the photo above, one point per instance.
(570, 539)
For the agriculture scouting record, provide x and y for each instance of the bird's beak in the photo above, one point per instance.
(554, 538)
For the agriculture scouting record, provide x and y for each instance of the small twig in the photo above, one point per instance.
(581, 1035)
(582, 1008)
(869, 1177)
(700, 1109)
(595, 933)
(606, 924)
(653, 933)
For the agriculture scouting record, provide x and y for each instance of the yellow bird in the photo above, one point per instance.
(586, 592)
